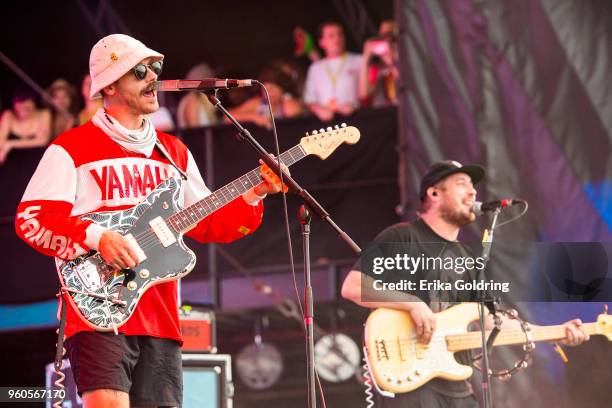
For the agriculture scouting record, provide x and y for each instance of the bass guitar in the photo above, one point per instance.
(399, 363)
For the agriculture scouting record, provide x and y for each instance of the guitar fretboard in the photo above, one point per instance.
(473, 340)
(187, 218)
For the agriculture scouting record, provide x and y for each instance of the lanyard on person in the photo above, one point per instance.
(334, 75)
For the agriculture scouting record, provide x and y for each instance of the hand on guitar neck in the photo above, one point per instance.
(575, 333)
(271, 182)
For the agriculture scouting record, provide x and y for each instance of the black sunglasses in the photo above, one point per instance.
(140, 70)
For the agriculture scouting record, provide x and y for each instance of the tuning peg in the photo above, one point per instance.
(336, 127)
(307, 134)
(606, 309)
(343, 125)
(314, 132)
(321, 130)
(329, 128)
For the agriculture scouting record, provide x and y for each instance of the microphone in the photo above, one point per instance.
(206, 84)
(479, 207)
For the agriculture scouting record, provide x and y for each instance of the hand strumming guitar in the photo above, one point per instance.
(116, 251)
(424, 320)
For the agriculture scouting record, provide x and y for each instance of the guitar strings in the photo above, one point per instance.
(253, 177)
(148, 240)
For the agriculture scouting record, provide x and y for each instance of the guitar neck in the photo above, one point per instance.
(187, 218)
(473, 340)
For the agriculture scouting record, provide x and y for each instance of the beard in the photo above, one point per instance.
(455, 216)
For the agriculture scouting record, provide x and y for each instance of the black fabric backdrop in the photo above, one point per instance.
(357, 185)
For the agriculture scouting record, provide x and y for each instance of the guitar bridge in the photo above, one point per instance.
(381, 350)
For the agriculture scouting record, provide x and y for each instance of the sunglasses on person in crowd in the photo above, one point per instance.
(140, 70)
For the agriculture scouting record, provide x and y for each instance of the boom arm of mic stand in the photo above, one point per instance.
(291, 183)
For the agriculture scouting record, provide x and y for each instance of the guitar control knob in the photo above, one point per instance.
(132, 285)
(144, 273)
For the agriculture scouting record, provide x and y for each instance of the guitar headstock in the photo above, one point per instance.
(323, 142)
(604, 324)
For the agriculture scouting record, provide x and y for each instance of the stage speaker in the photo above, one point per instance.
(207, 382)
(198, 329)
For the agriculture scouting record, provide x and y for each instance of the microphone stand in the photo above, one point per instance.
(490, 305)
(290, 182)
(305, 217)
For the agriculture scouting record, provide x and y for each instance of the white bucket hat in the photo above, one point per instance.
(112, 57)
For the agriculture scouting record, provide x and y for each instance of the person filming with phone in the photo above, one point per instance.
(379, 71)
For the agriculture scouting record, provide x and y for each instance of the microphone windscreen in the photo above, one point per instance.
(477, 208)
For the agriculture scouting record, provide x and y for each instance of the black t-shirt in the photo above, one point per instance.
(419, 240)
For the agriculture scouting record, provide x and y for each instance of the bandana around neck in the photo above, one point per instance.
(139, 141)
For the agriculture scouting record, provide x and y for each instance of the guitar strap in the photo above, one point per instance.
(165, 153)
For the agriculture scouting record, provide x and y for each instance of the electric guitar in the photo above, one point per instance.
(105, 298)
(398, 363)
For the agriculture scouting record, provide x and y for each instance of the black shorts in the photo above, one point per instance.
(149, 369)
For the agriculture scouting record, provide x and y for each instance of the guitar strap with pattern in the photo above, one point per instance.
(165, 153)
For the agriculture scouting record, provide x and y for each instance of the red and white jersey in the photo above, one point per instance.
(85, 171)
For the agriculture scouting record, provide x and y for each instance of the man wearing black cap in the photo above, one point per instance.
(447, 195)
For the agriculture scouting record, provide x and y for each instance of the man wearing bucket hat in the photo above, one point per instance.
(112, 163)
(447, 195)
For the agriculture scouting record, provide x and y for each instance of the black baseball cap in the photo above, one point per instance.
(440, 170)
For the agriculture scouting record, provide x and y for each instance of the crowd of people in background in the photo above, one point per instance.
(336, 83)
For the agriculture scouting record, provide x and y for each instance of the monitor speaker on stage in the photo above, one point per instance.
(207, 381)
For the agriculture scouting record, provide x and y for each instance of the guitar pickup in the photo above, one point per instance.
(160, 228)
(139, 252)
